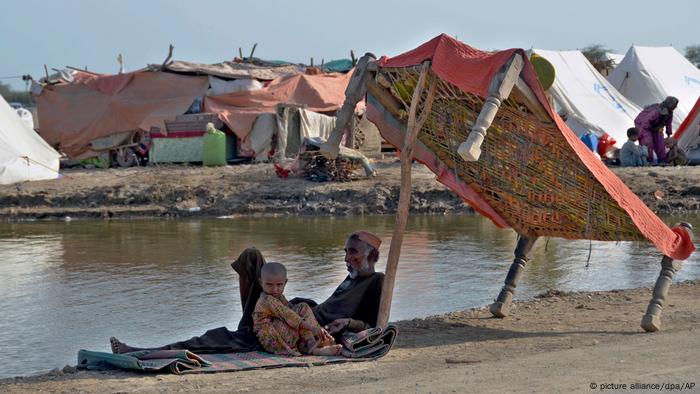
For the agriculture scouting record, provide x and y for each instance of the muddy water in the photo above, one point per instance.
(67, 286)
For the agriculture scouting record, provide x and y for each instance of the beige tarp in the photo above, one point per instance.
(319, 93)
(231, 70)
(73, 114)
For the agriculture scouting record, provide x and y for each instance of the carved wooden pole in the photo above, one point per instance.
(501, 306)
(412, 129)
(357, 87)
(499, 89)
(652, 318)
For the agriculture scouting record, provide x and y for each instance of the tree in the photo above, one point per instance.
(692, 53)
(11, 95)
(595, 53)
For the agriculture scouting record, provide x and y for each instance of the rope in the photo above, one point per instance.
(29, 159)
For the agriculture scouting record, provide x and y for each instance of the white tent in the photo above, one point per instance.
(648, 74)
(588, 101)
(688, 134)
(24, 155)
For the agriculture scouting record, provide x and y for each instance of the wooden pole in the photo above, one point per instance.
(499, 89)
(357, 87)
(252, 51)
(81, 70)
(501, 306)
(651, 321)
(412, 129)
(167, 59)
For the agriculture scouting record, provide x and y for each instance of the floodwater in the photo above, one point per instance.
(71, 285)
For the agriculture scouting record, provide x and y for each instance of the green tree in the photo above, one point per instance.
(11, 95)
(692, 53)
(595, 53)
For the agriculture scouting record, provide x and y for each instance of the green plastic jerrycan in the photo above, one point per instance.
(214, 147)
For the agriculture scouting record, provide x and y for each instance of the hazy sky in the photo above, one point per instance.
(92, 33)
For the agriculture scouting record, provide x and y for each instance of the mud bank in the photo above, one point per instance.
(559, 342)
(183, 191)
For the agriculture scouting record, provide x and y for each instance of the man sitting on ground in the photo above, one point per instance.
(353, 306)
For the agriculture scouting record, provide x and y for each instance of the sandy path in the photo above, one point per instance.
(561, 343)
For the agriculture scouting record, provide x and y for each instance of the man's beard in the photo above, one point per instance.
(364, 267)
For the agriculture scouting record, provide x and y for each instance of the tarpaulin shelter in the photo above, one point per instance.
(318, 93)
(481, 122)
(688, 134)
(586, 98)
(24, 155)
(339, 66)
(647, 75)
(72, 114)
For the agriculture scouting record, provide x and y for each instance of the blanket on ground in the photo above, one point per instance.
(367, 345)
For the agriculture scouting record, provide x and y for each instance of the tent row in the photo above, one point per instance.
(593, 104)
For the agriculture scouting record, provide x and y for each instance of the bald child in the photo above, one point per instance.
(287, 329)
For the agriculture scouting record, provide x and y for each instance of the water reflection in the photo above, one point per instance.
(71, 285)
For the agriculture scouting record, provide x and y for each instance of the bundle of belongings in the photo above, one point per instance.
(318, 168)
(367, 345)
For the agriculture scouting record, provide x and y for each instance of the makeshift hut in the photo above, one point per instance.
(288, 110)
(91, 107)
(481, 122)
(647, 75)
(588, 101)
(24, 155)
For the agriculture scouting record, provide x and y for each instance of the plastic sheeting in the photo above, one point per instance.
(71, 115)
(313, 125)
(220, 86)
(589, 102)
(648, 74)
(26, 117)
(319, 93)
(24, 155)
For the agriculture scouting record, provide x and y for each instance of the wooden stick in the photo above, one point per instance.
(353, 59)
(46, 70)
(167, 59)
(252, 51)
(81, 70)
(412, 129)
(240, 53)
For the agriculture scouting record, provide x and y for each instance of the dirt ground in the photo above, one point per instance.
(180, 191)
(578, 342)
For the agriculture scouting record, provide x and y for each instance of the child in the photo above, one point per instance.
(674, 156)
(632, 155)
(287, 329)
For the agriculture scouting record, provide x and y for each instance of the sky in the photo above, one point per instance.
(92, 33)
